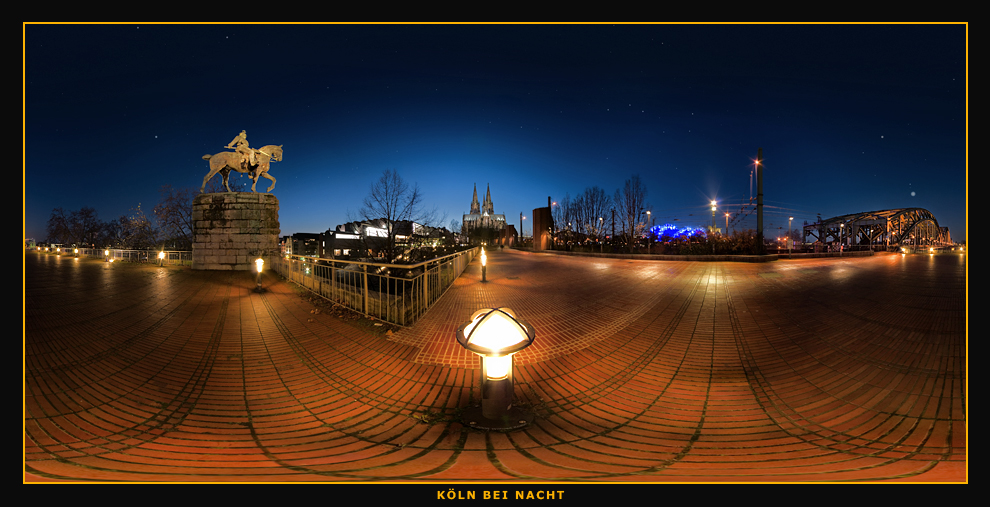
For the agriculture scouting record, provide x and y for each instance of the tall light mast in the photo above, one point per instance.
(759, 201)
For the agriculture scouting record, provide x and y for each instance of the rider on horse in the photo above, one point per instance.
(242, 147)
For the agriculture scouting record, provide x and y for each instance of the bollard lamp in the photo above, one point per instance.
(484, 262)
(259, 264)
(161, 258)
(495, 334)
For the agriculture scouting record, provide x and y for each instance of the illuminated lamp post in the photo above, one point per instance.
(484, 262)
(75, 252)
(521, 235)
(713, 227)
(601, 225)
(726, 223)
(842, 227)
(495, 335)
(106, 255)
(789, 240)
(161, 258)
(649, 233)
(259, 264)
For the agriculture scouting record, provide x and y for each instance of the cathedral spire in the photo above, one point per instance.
(475, 208)
(488, 206)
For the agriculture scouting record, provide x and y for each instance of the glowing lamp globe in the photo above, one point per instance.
(495, 334)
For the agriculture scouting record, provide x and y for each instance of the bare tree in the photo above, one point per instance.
(113, 233)
(630, 207)
(564, 216)
(58, 227)
(390, 200)
(174, 215)
(138, 231)
(81, 227)
(85, 226)
(591, 209)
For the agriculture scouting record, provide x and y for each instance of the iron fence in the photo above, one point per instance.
(395, 293)
(172, 257)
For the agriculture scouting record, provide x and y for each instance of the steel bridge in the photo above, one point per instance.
(890, 228)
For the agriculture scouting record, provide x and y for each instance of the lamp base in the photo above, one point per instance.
(513, 419)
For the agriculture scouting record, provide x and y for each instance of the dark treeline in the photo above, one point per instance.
(169, 226)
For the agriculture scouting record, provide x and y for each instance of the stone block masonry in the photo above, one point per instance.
(231, 229)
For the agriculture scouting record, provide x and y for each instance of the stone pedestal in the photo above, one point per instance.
(231, 229)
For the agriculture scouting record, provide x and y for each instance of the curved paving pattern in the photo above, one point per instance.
(805, 370)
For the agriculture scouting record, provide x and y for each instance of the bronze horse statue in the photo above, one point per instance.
(226, 161)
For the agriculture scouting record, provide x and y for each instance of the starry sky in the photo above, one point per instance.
(850, 118)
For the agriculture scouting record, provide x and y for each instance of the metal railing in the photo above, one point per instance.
(395, 293)
(172, 257)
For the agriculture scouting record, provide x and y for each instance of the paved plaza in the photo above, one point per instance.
(838, 369)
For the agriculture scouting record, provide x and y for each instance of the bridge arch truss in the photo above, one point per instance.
(881, 229)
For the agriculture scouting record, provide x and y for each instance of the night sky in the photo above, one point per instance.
(850, 117)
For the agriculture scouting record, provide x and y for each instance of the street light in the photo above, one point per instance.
(495, 334)
(521, 218)
(106, 255)
(842, 227)
(649, 234)
(713, 216)
(789, 240)
(161, 258)
(601, 225)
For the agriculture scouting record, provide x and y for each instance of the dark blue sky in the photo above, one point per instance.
(850, 117)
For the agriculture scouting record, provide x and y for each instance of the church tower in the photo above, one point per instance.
(482, 217)
(475, 209)
(488, 207)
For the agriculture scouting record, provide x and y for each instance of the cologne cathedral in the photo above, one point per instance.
(482, 216)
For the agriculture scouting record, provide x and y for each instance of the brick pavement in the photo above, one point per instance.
(642, 371)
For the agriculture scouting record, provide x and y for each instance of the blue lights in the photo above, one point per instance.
(668, 232)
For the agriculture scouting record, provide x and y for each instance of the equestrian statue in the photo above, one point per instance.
(254, 162)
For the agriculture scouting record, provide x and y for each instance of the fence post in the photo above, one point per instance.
(426, 286)
(365, 288)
